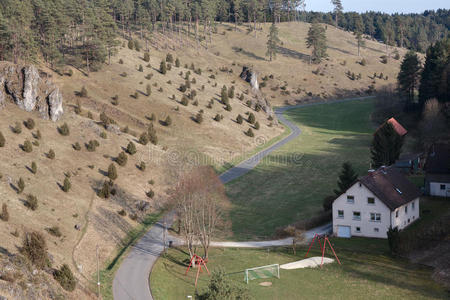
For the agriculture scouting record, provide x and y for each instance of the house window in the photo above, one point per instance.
(376, 229)
(406, 209)
(358, 229)
(409, 221)
(371, 200)
(413, 205)
(340, 214)
(375, 217)
(442, 186)
(351, 199)
(396, 213)
(357, 215)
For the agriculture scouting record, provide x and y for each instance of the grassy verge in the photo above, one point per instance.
(367, 271)
(237, 160)
(290, 183)
(107, 273)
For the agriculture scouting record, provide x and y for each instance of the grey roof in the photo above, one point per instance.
(391, 187)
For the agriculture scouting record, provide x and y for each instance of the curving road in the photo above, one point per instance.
(132, 279)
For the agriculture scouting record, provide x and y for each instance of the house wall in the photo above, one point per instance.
(367, 227)
(435, 189)
(405, 218)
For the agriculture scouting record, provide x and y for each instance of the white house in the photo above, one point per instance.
(437, 168)
(381, 199)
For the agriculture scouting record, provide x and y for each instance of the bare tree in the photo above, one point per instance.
(198, 199)
(296, 234)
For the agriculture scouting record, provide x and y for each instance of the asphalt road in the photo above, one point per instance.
(132, 279)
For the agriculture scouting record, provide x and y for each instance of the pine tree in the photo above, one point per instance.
(224, 95)
(346, 178)
(20, 185)
(33, 167)
(408, 76)
(317, 40)
(148, 90)
(239, 119)
(163, 67)
(272, 42)
(112, 172)
(386, 146)
(359, 30)
(5, 214)
(51, 154)
(66, 185)
(122, 159)
(2, 140)
(338, 8)
(251, 118)
(435, 78)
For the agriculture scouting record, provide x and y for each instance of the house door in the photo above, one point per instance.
(344, 231)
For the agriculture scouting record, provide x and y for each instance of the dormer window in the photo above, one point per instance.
(371, 201)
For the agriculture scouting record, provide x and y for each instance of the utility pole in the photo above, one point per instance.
(164, 236)
(98, 274)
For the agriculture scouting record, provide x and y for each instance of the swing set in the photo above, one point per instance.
(322, 247)
(198, 262)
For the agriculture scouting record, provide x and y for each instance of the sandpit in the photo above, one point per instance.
(266, 283)
(311, 262)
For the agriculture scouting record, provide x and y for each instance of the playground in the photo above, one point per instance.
(366, 269)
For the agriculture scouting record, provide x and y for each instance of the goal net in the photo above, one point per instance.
(262, 272)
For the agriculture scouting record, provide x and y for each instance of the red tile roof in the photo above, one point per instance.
(401, 131)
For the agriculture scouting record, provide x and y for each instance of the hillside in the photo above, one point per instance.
(184, 141)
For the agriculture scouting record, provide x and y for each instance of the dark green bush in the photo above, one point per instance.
(51, 154)
(122, 159)
(29, 124)
(64, 130)
(112, 172)
(239, 119)
(27, 146)
(2, 140)
(66, 185)
(32, 202)
(131, 148)
(34, 248)
(250, 133)
(65, 278)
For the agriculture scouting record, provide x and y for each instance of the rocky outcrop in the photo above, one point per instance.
(249, 75)
(25, 87)
(2, 93)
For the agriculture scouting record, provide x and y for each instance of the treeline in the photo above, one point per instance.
(413, 31)
(83, 32)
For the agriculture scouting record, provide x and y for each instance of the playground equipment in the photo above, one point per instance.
(322, 248)
(198, 262)
(262, 272)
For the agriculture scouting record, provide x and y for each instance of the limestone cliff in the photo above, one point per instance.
(30, 91)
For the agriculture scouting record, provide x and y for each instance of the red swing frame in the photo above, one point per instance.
(199, 262)
(322, 248)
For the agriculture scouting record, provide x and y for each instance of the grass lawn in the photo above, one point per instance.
(290, 184)
(367, 272)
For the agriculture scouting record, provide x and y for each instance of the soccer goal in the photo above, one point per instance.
(262, 272)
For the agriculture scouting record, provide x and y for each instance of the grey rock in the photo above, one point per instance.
(113, 128)
(30, 88)
(29, 91)
(55, 101)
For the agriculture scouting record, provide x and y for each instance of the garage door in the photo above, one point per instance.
(344, 231)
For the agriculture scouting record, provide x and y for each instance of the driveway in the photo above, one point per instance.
(132, 279)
